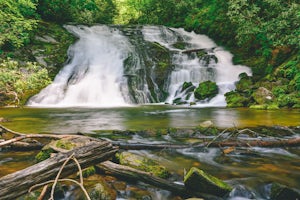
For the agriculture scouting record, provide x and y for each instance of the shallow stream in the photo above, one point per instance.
(249, 170)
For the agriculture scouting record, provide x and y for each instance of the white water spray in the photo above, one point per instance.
(94, 77)
(191, 69)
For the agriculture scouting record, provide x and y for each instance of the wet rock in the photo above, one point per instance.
(282, 192)
(206, 90)
(197, 181)
(99, 192)
(188, 86)
(143, 163)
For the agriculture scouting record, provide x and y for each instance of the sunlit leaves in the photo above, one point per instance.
(17, 22)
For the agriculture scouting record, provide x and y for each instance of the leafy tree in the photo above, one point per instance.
(79, 11)
(265, 23)
(17, 19)
(167, 12)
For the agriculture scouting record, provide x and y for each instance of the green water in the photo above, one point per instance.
(87, 120)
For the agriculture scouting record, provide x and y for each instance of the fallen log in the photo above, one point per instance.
(192, 50)
(291, 142)
(18, 183)
(138, 175)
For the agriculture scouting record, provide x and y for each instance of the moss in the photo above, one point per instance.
(206, 90)
(143, 163)
(88, 171)
(65, 144)
(244, 84)
(235, 99)
(273, 107)
(288, 100)
(44, 154)
(259, 107)
(199, 181)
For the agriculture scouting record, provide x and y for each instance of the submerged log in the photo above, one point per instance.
(138, 175)
(18, 183)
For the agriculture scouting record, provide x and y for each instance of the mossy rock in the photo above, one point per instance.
(197, 181)
(245, 83)
(281, 192)
(188, 86)
(143, 163)
(235, 99)
(100, 192)
(263, 96)
(206, 90)
(288, 100)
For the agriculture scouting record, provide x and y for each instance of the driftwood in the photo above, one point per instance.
(146, 177)
(18, 183)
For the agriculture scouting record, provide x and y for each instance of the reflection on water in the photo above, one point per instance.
(72, 120)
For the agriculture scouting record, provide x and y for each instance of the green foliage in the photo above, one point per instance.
(265, 24)
(19, 82)
(17, 21)
(167, 12)
(79, 11)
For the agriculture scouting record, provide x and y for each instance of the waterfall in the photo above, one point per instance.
(215, 64)
(121, 66)
(94, 76)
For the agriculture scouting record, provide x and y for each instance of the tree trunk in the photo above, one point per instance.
(18, 183)
(137, 175)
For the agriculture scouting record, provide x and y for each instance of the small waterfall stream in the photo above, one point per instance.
(120, 66)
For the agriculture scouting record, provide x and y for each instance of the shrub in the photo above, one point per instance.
(19, 82)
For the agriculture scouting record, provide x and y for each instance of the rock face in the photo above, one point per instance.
(143, 163)
(197, 181)
(206, 90)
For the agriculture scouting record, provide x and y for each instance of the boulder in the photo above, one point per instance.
(143, 163)
(263, 96)
(188, 86)
(197, 181)
(235, 99)
(206, 90)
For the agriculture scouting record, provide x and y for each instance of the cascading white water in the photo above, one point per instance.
(94, 77)
(191, 69)
(111, 66)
